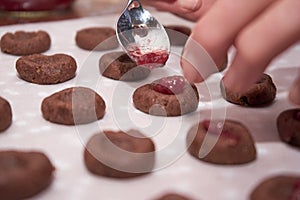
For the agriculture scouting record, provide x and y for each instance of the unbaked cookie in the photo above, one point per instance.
(119, 154)
(97, 38)
(25, 43)
(169, 96)
(119, 66)
(5, 114)
(24, 174)
(288, 125)
(173, 196)
(280, 187)
(178, 34)
(261, 93)
(44, 69)
(72, 106)
(221, 142)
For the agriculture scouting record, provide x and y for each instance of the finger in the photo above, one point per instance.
(193, 53)
(270, 34)
(294, 94)
(188, 10)
(218, 28)
(188, 5)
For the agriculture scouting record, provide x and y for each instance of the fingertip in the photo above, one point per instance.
(294, 94)
(236, 82)
(190, 73)
(190, 5)
(196, 63)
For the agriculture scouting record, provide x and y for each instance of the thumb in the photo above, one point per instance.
(191, 5)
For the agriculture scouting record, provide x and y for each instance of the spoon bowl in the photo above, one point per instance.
(142, 37)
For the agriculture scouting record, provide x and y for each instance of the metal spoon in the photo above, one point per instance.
(142, 37)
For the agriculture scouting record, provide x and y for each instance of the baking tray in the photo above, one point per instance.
(175, 170)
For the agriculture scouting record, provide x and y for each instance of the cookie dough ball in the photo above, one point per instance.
(72, 106)
(169, 96)
(97, 38)
(173, 196)
(24, 174)
(221, 142)
(178, 34)
(43, 69)
(280, 187)
(25, 43)
(261, 93)
(119, 66)
(5, 114)
(119, 154)
(288, 125)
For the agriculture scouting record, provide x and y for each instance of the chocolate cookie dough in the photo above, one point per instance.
(288, 126)
(119, 66)
(178, 34)
(169, 96)
(5, 114)
(280, 187)
(72, 106)
(119, 154)
(44, 69)
(221, 142)
(25, 43)
(97, 38)
(261, 93)
(173, 196)
(24, 174)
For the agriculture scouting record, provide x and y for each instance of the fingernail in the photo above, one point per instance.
(190, 4)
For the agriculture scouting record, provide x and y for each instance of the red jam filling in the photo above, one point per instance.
(150, 59)
(169, 85)
(295, 195)
(214, 129)
(297, 115)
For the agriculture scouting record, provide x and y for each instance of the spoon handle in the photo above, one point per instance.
(129, 2)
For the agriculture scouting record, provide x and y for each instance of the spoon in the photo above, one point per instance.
(142, 37)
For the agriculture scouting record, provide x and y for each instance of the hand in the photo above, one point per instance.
(260, 30)
(187, 9)
(294, 94)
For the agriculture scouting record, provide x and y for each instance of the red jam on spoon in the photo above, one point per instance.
(169, 85)
(214, 129)
(149, 59)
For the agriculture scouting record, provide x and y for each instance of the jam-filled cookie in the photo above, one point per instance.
(169, 96)
(221, 142)
(280, 187)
